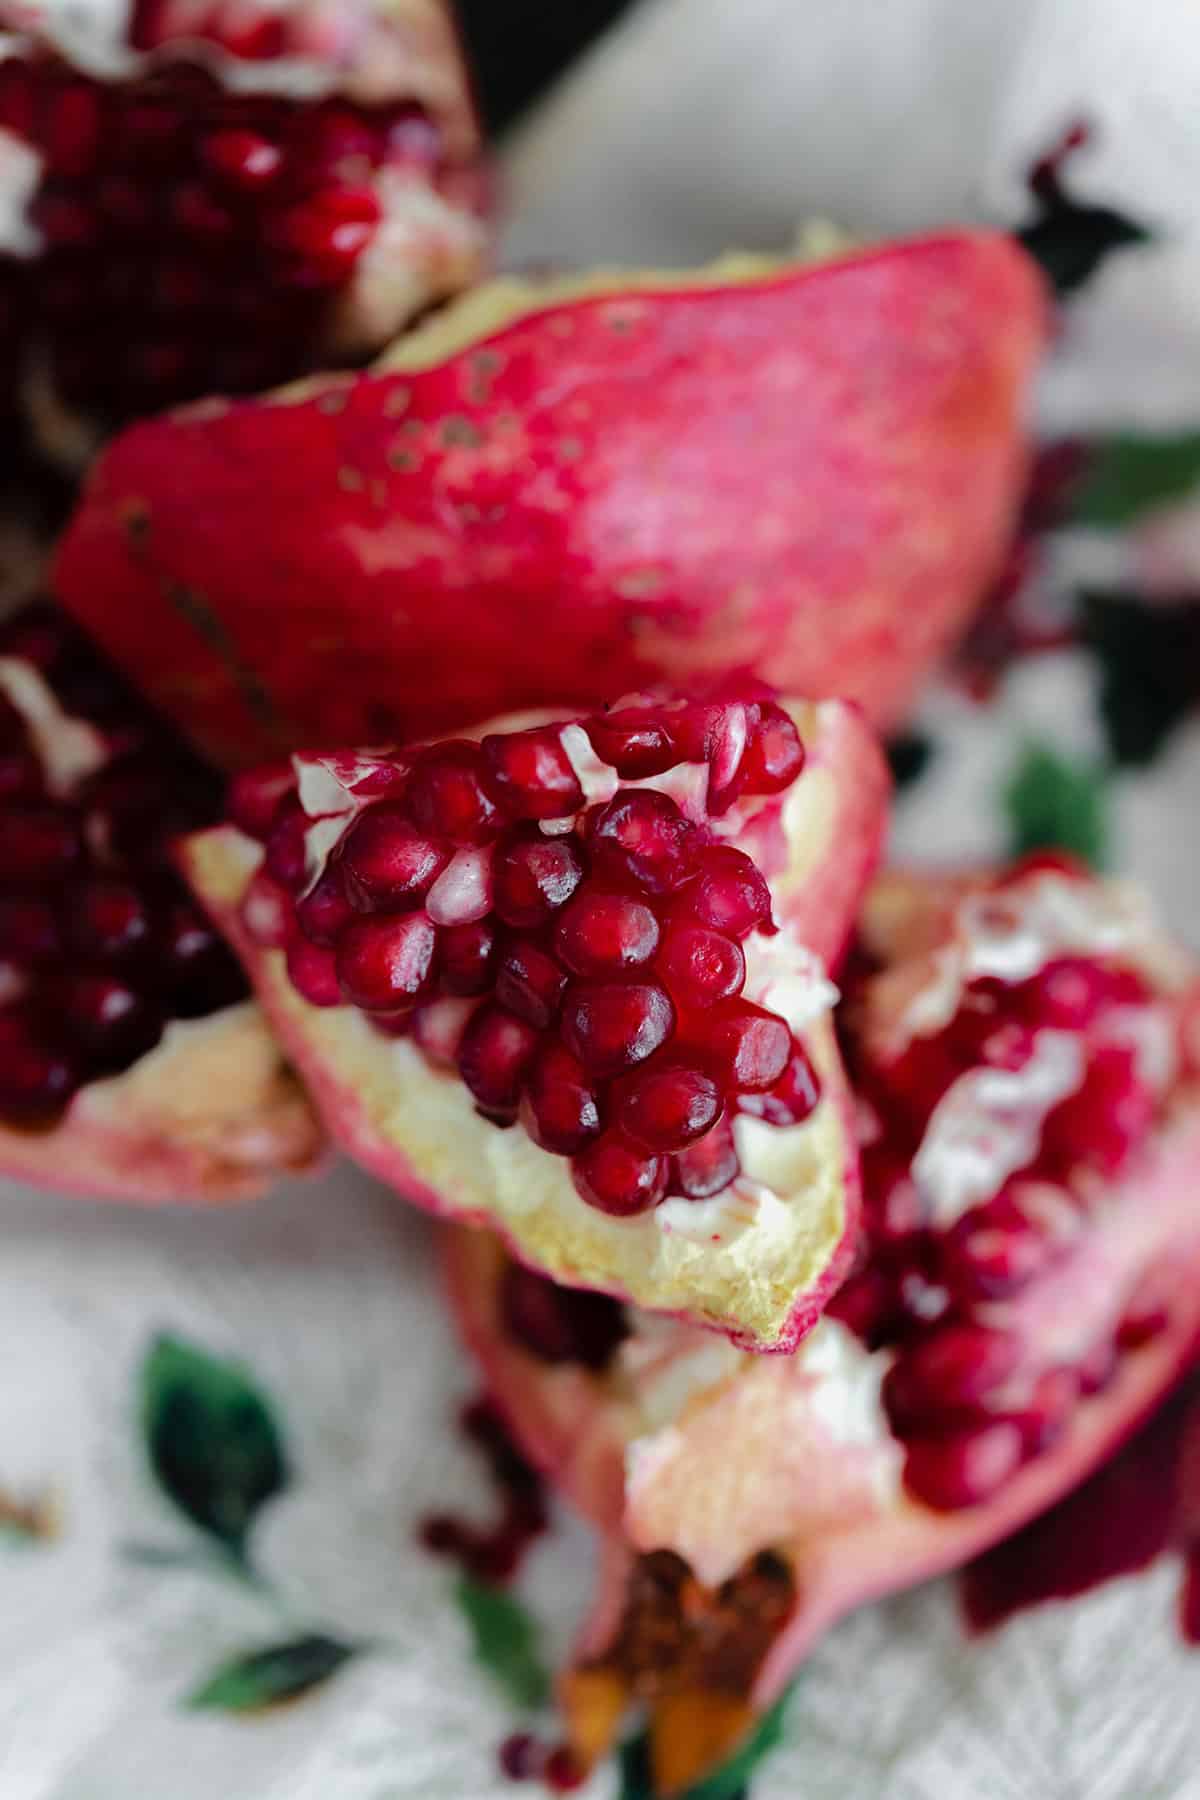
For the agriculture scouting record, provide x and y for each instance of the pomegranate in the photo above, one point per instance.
(623, 1110)
(1027, 1289)
(132, 1060)
(211, 198)
(836, 458)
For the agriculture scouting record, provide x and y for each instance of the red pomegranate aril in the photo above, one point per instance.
(667, 1109)
(28, 930)
(994, 1250)
(468, 956)
(636, 742)
(447, 795)
(774, 756)
(268, 912)
(325, 911)
(1147, 1312)
(462, 893)
(1044, 1414)
(729, 735)
(708, 1166)
(1106, 1119)
(387, 963)
(641, 835)
(561, 1109)
(530, 983)
(286, 855)
(533, 877)
(521, 1756)
(437, 1026)
(794, 1097)
(1071, 993)
(618, 1178)
(955, 1370)
(253, 797)
(313, 972)
(560, 1325)
(700, 966)
(532, 773)
(108, 1019)
(245, 159)
(612, 1026)
(563, 1773)
(965, 1469)
(20, 775)
(494, 1058)
(41, 846)
(387, 864)
(602, 933)
(106, 918)
(199, 216)
(730, 895)
(746, 1048)
(36, 1081)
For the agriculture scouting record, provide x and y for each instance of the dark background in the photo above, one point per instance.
(519, 46)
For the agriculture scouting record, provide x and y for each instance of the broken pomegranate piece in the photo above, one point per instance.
(213, 198)
(1027, 1288)
(132, 1060)
(581, 1026)
(837, 457)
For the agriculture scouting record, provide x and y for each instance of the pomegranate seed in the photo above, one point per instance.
(700, 966)
(468, 956)
(612, 1026)
(387, 864)
(385, 964)
(995, 1249)
(746, 1047)
(616, 1177)
(603, 934)
(66, 223)
(329, 232)
(560, 1325)
(36, 1082)
(313, 972)
(561, 1109)
(252, 801)
(966, 1469)
(245, 159)
(324, 912)
(1044, 1416)
(866, 1305)
(534, 876)
(462, 893)
(956, 1370)
(1147, 1312)
(199, 216)
(494, 1058)
(106, 918)
(562, 1773)
(521, 1757)
(642, 835)
(774, 756)
(1070, 994)
(71, 135)
(794, 1097)
(437, 1027)
(669, 1108)
(106, 1018)
(41, 846)
(708, 1166)
(530, 983)
(447, 795)
(286, 852)
(730, 895)
(532, 773)
(267, 912)
(1106, 1119)
(636, 742)
(729, 733)
(1097, 1369)
(20, 775)
(28, 932)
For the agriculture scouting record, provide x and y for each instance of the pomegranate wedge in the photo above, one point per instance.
(199, 196)
(561, 493)
(132, 1060)
(1028, 1287)
(570, 979)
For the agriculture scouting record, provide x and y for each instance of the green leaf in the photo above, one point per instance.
(726, 1783)
(505, 1641)
(1131, 475)
(263, 1678)
(1055, 804)
(212, 1442)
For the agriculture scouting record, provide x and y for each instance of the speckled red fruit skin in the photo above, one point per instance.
(836, 453)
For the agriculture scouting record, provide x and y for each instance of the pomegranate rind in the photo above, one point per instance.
(213, 1113)
(761, 1273)
(818, 495)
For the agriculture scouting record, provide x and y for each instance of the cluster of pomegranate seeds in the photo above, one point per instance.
(192, 240)
(493, 1555)
(969, 1391)
(100, 946)
(581, 965)
(561, 1325)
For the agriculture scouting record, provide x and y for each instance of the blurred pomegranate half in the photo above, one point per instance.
(1028, 1287)
(211, 196)
(557, 494)
(132, 1060)
(570, 979)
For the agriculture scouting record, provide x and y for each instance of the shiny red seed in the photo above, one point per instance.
(447, 795)
(618, 1178)
(729, 735)
(329, 232)
(199, 216)
(20, 775)
(253, 797)
(1105, 1121)
(746, 1047)
(530, 983)
(108, 1019)
(267, 912)
(612, 1026)
(385, 964)
(313, 972)
(560, 1325)
(286, 858)
(325, 911)
(700, 966)
(388, 864)
(71, 134)
(604, 933)
(708, 1166)
(36, 1082)
(562, 1112)
(521, 1756)
(774, 756)
(245, 159)
(956, 1370)
(28, 931)
(668, 1108)
(106, 919)
(533, 876)
(532, 773)
(965, 1469)
(729, 895)
(41, 846)
(794, 1097)
(468, 955)
(636, 742)
(1071, 993)
(642, 836)
(996, 1249)
(494, 1058)
(563, 1773)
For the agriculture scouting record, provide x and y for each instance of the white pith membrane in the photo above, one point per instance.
(749, 1259)
(211, 1111)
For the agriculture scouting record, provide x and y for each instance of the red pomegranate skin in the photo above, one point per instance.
(811, 480)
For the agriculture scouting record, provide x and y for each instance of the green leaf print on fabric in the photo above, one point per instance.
(211, 1439)
(1128, 476)
(727, 1783)
(505, 1640)
(1149, 655)
(268, 1677)
(1053, 803)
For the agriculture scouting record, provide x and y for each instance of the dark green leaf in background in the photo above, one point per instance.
(727, 1783)
(909, 755)
(1127, 476)
(263, 1678)
(1150, 662)
(212, 1442)
(505, 1641)
(1056, 804)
